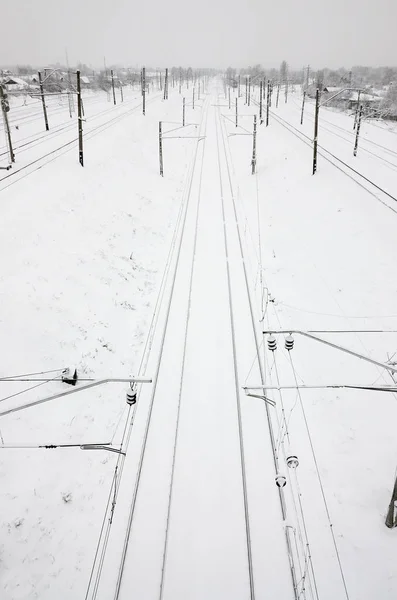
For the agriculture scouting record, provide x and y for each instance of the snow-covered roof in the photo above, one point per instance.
(15, 81)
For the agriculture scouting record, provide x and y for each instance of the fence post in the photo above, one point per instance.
(80, 119)
(253, 162)
(303, 106)
(43, 102)
(5, 108)
(360, 114)
(161, 150)
(316, 131)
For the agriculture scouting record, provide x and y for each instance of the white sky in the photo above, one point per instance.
(215, 33)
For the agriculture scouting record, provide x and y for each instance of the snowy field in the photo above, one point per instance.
(118, 271)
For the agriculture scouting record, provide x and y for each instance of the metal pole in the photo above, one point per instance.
(5, 108)
(143, 90)
(253, 162)
(360, 114)
(236, 112)
(80, 119)
(278, 93)
(43, 102)
(166, 85)
(161, 150)
(316, 131)
(357, 109)
(267, 102)
(260, 101)
(303, 106)
(183, 112)
(114, 93)
(391, 517)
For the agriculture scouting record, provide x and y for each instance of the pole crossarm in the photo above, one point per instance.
(340, 92)
(374, 388)
(76, 390)
(336, 346)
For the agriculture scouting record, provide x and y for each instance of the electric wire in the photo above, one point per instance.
(153, 394)
(142, 370)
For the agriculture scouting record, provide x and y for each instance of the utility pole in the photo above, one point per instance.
(143, 90)
(236, 112)
(183, 112)
(5, 107)
(260, 102)
(166, 85)
(360, 114)
(114, 93)
(357, 109)
(253, 162)
(43, 102)
(161, 150)
(391, 517)
(268, 102)
(80, 119)
(303, 106)
(316, 131)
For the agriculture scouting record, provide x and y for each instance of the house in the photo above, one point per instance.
(15, 83)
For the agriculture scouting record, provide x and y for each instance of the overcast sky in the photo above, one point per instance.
(216, 33)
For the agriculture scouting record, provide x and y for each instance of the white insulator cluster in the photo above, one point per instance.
(289, 342)
(131, 394)
(272, 343)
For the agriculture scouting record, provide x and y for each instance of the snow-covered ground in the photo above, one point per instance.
(83, 254)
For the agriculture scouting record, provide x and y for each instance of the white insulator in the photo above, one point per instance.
(281, 480)
(292, 461)
(272, 343)
(289, 342)
(131, 395)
